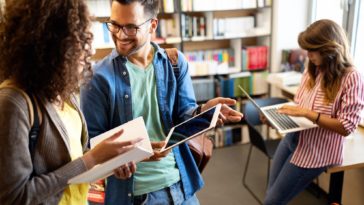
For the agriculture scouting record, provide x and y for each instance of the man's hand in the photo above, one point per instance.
(125, 171)
(157, 154)
(227, 114)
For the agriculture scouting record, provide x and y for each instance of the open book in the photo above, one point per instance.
(143, 149)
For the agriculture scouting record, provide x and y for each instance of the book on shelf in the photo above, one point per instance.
(254, 58)
(207, 62)
(168, 6)
(258, 82)
(193, 26)
(204, 89)
(227, 27)
(168, 28)
(289, 78)
(228, 87)
(228, 136)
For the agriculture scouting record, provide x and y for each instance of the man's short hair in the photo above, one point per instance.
(151, 7)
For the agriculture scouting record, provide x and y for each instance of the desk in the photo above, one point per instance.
(287, 91)
(353, 159)
(353, 153)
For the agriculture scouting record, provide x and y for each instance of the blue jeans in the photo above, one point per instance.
(172, 195)
(285, 179)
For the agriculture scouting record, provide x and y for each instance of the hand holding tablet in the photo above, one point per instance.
(192, 127)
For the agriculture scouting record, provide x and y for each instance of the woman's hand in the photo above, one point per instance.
(293, 110)
(125, 171)
(108, 149)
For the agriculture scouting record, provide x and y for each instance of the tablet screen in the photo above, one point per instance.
(191, 127)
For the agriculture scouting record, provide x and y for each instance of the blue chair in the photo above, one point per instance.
(265, 145)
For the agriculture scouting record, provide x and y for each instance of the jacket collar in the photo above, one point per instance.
(56, 120)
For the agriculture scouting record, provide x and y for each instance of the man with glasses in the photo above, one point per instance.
(136, 79)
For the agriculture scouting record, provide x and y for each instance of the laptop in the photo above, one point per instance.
(192, 127)
(282, 123)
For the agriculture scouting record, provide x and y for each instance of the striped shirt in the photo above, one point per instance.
(320, 147)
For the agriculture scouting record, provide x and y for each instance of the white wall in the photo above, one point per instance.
(290, 17)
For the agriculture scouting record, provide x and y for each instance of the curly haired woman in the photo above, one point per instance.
(44, 47)
(331, 95)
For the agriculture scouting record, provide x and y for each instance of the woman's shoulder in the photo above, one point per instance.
(352, 78)
(13, 96)
(353, 74)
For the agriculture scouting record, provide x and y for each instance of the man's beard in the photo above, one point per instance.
(132, 50)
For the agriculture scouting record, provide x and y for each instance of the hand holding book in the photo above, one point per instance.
(108, 149)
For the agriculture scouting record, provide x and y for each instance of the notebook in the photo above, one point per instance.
(282, 123)
(192, 127)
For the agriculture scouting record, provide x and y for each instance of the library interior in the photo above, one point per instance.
(260, 46)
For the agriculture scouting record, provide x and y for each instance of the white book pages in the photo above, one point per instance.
(143, 149)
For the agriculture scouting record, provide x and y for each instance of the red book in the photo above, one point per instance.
(96, 194)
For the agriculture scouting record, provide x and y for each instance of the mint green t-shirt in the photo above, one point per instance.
(150, 176)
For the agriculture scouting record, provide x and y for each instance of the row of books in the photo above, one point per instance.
(167, 28)
(218, 55)
(170, 6)
(210, 62)
(193, 26)
(254, 84)
(233, 27)
(254, 58)
(204, 89)
(227, 136)
(210, 5)
(208, 88)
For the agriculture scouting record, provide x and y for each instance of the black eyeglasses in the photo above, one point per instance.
(129, 29)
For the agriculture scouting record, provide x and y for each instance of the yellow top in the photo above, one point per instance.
(75, 194)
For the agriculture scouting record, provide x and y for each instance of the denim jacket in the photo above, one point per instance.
(107, 103)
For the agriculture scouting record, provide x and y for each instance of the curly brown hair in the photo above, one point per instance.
(44, 44)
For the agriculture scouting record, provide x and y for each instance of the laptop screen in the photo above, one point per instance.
(250, 98)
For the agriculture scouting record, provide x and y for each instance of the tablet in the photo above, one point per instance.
(193, 127)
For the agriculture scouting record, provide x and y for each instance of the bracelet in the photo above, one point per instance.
(317, 118)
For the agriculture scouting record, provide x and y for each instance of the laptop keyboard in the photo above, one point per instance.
(283, 121)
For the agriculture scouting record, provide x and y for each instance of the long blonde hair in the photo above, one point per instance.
(329, 39)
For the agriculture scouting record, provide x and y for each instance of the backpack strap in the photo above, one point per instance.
(172, 54)
(33, 117)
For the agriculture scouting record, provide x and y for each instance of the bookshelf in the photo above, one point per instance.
(226, 44)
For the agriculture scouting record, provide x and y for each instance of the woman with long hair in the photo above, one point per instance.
(44, 50)
(331, 95)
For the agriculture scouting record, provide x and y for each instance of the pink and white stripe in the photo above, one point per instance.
(321, 147)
